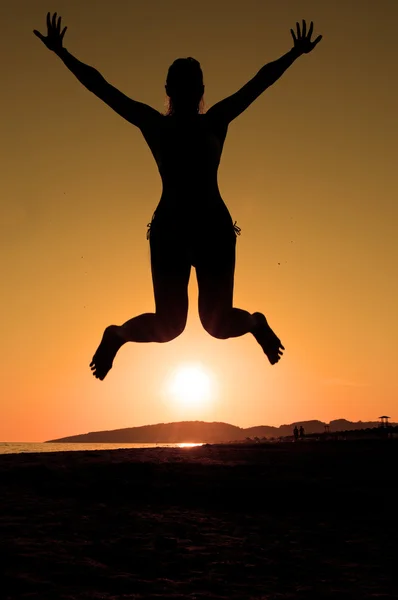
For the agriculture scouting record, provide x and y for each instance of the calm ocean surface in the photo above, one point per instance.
(20, 447)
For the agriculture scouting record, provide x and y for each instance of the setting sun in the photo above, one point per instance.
(191, 385)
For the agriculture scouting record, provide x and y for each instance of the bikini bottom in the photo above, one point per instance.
(192, 241)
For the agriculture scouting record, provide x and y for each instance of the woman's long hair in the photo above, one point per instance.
(185, 74)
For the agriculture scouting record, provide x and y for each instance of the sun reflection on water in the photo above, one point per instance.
(188, 445)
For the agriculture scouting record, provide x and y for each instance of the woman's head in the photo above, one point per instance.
(184, 86)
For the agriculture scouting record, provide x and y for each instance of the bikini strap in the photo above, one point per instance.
(149, 225)
(237, 229)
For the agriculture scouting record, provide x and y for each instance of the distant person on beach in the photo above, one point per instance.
(295, 433)
(301, 432)
(191, 225)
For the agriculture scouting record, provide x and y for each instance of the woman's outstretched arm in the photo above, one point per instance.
(137, 113)
(231, 107)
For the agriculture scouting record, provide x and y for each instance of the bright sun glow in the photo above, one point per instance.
(191, 385)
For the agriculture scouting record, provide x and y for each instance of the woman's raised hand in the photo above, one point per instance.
(55, 36)
(302, 38)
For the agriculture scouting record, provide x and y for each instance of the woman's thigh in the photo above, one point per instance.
(215, 270)
(170, 274)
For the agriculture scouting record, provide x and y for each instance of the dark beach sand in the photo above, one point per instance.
(308, 520)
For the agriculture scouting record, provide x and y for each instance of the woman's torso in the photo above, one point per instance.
(187, 151)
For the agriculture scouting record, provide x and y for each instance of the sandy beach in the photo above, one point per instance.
(272, 521)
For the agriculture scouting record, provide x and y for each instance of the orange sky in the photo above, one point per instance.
(308, 171)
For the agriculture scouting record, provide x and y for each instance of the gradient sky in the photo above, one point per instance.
(308, 171)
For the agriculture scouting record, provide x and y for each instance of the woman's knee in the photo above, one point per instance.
(172, 326)
(214, 323)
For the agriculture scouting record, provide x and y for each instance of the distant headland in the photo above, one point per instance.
(201, 431)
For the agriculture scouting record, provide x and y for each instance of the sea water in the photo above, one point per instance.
(20, 447)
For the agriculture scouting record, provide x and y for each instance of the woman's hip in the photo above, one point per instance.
(204, 239)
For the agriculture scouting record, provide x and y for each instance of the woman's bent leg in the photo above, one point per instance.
(170, 276)
(215, 273)
(216, 284)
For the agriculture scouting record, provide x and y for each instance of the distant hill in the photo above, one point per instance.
(200, 431)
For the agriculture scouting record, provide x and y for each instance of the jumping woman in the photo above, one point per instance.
(191, 226)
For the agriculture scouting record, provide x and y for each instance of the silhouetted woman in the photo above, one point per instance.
(191, 225)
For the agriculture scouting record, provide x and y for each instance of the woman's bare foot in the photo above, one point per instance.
(267, 339)
(103, 358)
